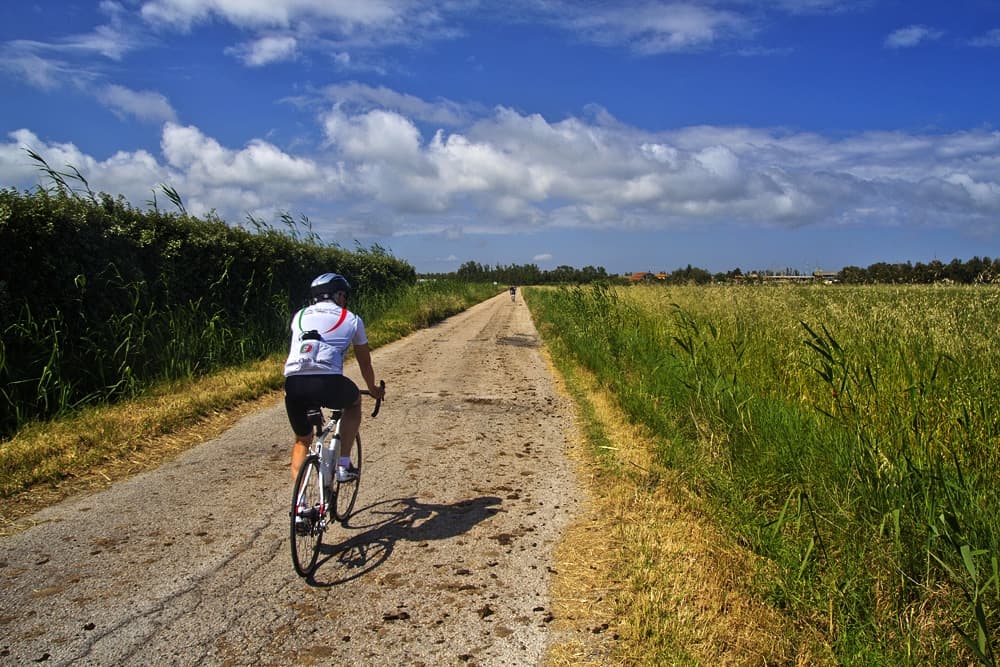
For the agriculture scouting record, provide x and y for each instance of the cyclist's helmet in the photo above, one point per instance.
(328, 284)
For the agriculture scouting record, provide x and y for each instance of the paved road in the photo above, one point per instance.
(447, 562)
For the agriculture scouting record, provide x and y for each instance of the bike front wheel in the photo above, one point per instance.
(308, 516)
(346, 493)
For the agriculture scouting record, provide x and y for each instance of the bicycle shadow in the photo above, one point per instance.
(389, 521)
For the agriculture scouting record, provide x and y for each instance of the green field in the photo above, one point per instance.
(849, 435)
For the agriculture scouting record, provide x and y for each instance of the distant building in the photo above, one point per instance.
(787, 278)
(828, 277)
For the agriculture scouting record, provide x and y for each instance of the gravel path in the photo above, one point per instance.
(448, 561)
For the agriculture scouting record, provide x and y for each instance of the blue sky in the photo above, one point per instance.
(634, 136)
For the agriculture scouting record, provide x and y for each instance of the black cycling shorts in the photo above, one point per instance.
(303, 392)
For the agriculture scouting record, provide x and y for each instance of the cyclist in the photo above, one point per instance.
(321, 334)
(513, 292)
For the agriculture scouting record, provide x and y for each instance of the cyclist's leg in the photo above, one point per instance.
(350, 424)
(300, 449)
(341, 391)
(298, 400)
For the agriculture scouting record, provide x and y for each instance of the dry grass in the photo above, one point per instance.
(46, 463)
(644, 577)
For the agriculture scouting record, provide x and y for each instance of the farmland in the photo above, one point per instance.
(848, 436)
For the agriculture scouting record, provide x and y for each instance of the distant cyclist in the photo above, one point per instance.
(513, 292)
(321, 336)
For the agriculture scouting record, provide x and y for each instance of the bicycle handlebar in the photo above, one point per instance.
(378, 401)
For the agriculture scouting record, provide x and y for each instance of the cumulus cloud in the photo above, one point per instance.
(131, 174)
(911, 36)
(259, 167)
(374, 136)
(509, 171)
(528, 171)
(207, 174)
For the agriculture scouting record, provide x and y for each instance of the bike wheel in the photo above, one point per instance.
(308, 516)
(346, 493)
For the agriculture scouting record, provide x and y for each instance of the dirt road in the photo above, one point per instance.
(466, 492)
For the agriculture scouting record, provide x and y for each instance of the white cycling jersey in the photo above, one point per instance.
(337, 328)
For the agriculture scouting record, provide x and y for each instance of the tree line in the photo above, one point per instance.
(524, 274)
(975, 270)
(978, 270)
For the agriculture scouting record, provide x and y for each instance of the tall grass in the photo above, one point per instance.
(850, 435)
(99, 300)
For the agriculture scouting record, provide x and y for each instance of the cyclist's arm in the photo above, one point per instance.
(364, 356)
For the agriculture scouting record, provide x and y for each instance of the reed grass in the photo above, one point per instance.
(847, 435)
(100, 301)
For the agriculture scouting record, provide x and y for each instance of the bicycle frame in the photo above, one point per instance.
(330, 500)
(327, 451)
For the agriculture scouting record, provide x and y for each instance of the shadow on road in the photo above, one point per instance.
(386, 523)
(519, 340)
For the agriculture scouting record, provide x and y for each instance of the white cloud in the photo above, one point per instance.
(266, 50)
(510, 171)
(271, 13)
(542, 257)
(653, 28)
(319, 24)
(260, 165)
(112, 41)
(32, 69)
(145, 105)
(70, 60)
(373, 136)
(108, 41)
(361, 96)
(911, 36)
(648, 28)
(132, 175)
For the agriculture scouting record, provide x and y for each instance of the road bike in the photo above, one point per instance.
(318, 497)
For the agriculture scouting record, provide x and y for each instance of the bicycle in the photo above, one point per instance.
(318, 497)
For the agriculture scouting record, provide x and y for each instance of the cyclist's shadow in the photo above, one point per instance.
(384, 523)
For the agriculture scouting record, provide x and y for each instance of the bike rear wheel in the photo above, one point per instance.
(346, 493)
(308, 516)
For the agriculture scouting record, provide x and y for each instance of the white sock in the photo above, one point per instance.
(345, 461)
